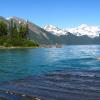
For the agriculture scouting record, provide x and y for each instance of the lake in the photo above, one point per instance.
(68, 73)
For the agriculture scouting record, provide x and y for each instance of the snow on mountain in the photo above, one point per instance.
(91, 31)
(83, 29)
(54, 30)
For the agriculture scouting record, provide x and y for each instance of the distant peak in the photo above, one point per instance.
(84, 29)
(8, 18)
(83, 25)
(49, 26)
(55, 30)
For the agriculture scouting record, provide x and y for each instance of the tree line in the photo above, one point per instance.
(12, 34)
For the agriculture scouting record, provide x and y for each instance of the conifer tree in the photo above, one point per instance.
(11, 25)
(15, 31)
(26, 30)
(3, 28)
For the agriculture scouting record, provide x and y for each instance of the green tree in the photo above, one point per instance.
(15, 35)
(27, 29)
(11, 25)
(23, 30)
(14, 30)
(3, 28)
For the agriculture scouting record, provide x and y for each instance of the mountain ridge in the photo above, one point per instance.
(51, 34)
(83, 29)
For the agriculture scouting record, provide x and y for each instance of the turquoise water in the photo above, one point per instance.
(67, 73)
(21, 63)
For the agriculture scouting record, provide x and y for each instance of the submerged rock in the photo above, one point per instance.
(97, 58)
(37, 98)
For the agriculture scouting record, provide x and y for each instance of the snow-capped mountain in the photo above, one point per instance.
(55, 30)
(91, 31)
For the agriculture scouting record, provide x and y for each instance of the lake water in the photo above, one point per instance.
(67, 73)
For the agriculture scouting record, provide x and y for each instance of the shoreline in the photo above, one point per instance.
(40, 46)
(14, 47)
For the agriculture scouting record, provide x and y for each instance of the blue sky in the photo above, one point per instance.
(62, 13)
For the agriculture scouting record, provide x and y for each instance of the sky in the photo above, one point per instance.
(62, 13)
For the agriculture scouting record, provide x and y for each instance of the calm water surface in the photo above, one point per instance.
(68, 73)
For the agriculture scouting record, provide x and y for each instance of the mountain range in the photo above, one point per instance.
(83, 29)
(49, 34)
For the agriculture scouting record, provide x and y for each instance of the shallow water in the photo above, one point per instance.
(68, 73)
